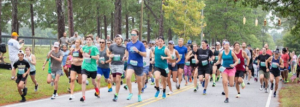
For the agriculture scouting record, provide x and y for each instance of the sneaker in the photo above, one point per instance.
(190, 80)
(218, 78)
(125, 87)
(145, 86)
(195, 90)
(115, 98)
(238, 96)
(203, 83)
(12, 78)
(97, 94)
(243, 85)
(248, 83)
(53, 97)
(271, 86)
(110, 90)
(82, 99)
(52, 83)
(71, 97)
(211, 80)
(223, 93)
(156, 94)
(260, 88)
(36, 88)
(266, 90)
(25, 91)
(214, 84)
(274, 94)
(226, 100)
(152, 83)
(170, 93)
(23, 100)
(204, 92)
(152, 80)
(255, 79)
(139, 98)
(143, 90)
(178, 87)
(164, 95)
(129, 96)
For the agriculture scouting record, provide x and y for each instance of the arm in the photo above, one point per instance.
(126, 54)
(187, 56)
(107, 54)
(153, 58)
(219, 60)
(143, 54)
(58, 59)
(267, 61)
(167, 52)
(33, 61)
(245, 56)
(236, 60)
(177, 56)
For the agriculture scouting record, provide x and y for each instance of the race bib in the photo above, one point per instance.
(188, 63)
(102, 59)
(263, 64)
(131, 49)
(144, 63)
(274, 65)
(180, 56)
(21, 71)
(173, 57)
(204, 63)
(75, 54)
(133, 62)
(116, 58)
(239, 61)
(222, 69)
(216, 57)
(194, 61)
(53, 75)
(87, 60)
(245, 60)
(256, 61)
(167, 70)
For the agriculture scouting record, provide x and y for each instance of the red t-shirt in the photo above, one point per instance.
(285, 57)
(269, 52)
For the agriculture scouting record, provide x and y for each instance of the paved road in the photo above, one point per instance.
(251, 96)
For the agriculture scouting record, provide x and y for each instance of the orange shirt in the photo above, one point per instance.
(269, 52)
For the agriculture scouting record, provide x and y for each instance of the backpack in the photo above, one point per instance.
(3, 48)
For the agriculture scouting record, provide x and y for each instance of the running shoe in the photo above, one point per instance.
(125, 87)
(195, 89)
(53, 97)
(204, 92)
(170, 93)
(266, 90)
(218, 78)
(71, 97)
(22, 100)
(223, 93)
(25, 91)
(190, 80)
(261, 88)
(129, 96)
(52, 83)
(226, 100)
(274, 94)
(121, 82)
(97, 94)
(145, 86)
(143, 90)
(178, 87)
(152, 83)
(238, 96)
(164, 95)
(115, 98)
(36, 88)
(271, 86)
(243, 85)
(139, 98)
(248, 83)
(211, 79)
(255, 79)
(82, 99)
(12, 78)
(203, 83)
(152, 80)
(110, 90)
(156, 94)
(214, 84)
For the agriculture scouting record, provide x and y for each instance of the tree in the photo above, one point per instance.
(60, 18)
(70, 17)
(14, 25)
(117, 18)
(290, 42)
(0, 21)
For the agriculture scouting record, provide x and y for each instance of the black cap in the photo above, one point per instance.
(284, 49)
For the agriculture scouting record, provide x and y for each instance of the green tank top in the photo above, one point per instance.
(158, 61)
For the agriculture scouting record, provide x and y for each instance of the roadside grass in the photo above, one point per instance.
(9, 93)
(289, 95)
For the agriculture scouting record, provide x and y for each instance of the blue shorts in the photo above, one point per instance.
(146, 70)
(137, 70)
(175, 68)
(103, 71)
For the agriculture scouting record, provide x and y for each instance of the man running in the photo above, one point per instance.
(248, 71)
(182, 50)
(137, 51)
(23, 71)
(263, 73)
(285, 57)
(240, 68)
(89, 65)
(146, 64)
(215, 70)
(117, 53)
(275, 63)
(172, 65)
(204, 56)
(56, 56)
(30, 58)
(13, 50)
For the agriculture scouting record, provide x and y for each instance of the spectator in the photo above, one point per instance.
(74, 38)
(64, 39)
(13, 50)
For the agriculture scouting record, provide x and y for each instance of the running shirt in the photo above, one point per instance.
(103, 57)
(240, 65)
(216, 54)
(90, 64)
(13, 49)
(56, 65)
(65, 56)
(262, 61)
(193, 60)
(118, 52)
(248, 54)
(285, 57)
(182, 51)
(32, 67)
(159, 63)
(133, 56)
(227, 59)
(21, 66)
(76, 54)
(146, 60)
(274, 63)
(203, 57)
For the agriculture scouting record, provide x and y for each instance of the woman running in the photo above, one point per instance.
(255, 66)
(187, 68)
(172, 65)
(30, 58)
(275, 63)
(66, 53)
(228, 68)
(285, 57)
(191, 56)
(76, 66)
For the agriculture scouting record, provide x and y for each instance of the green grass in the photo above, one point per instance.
(289, 96)
(9, 93)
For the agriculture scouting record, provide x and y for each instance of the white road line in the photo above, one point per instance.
(269, 98)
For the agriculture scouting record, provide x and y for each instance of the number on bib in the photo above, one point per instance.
(274, 65)
(194, 61)
(133, 62)
(204, 63)
(75, 54)
(21, 71)
(116, 58)
(263, 64)
(87, 60)
(188, 63)
(222, 69)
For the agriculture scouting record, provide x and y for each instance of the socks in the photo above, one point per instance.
(116, 94)
(97, 89)
(239, 93)
(164, 90)
(214, 77)
(157, 88)
(55, 91)
(204, 89)
(109, 85)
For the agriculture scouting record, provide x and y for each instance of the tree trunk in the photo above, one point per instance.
(118, 17)
(161, 22)
(170, 34)
(14, 23)
(148, 29)
(127, 27)
(105, 27)
(60, 18)
(141, 21)
(98, 24)
(132, 20)
(112, 26)
(32, 27)
(70, 13)
(0, 21)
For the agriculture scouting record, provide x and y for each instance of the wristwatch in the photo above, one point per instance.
(90, 56)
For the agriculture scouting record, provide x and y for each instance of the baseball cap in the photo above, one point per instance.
(284, 49)
(171, 42)
(276, 52)
(217, 43)
(118, 35)
(152, 42)
(76, 33)
(14, 34)
(56, 44)
(21, 52)
(189, 42)
(249, 45)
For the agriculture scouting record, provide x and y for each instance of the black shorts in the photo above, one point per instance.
(151, 67)
(32, 72)
(137, 70)
(239, 73)
(90, 74)
(218, 66)
(75, 68)
(180, 66)
(276, 73)
(20, 78)
(203, 70)
(162, 71)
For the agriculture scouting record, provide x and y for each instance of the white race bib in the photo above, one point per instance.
(204, 63)
(194, 61)
(263, 64)
(222, 69)
(87, 60)
(116, 58)
(75, 54)
(274, 65)
(21, 71)
(188, 63)
(102, 59)
(133, 62)
(167, 70)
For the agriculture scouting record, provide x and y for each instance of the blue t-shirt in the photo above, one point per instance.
(133, 55)
(182, 51)
(65, 56)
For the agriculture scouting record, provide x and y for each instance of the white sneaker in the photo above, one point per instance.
(71, 97)
(260, 89)
(266, 90)
(53, 97)
(52, 83)
(170, 93)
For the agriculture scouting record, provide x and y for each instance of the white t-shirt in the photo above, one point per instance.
(147, 58)
(13, 49)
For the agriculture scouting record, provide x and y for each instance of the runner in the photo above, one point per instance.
(241, 68)
(204, 56)
(30, 58)
(13, 50)
(182, 50)
(125, 65)
(172, 65)
(49, 76)
(228, 68)
(298, 69)
(275, 63)
(187, 69)
(65, 59)
(146, 64)
(255, 66)
(23, 71)
(117, 53)
(136, 51)
(76, 66)
(216, 70)
(89, 65)
(161, 55)
(285, 57)
(263, 74)
(56, 56)
(192, 57)
(248, 71)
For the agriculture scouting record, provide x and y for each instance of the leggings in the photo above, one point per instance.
(255, 70)
(187, 70)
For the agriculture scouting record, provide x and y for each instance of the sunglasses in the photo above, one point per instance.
(133, 34)
(107, 43)
(102, 42)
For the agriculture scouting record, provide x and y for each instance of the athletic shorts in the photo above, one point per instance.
(175, 68)
(180, 66)
(103, 71)
(163, 72)
(20, 78)
(137, 70)
(89, 74)
(32, 72)
(282, 69)
(218, 66)
(151, 67)
(250, 67)
(146, 70)
(75, 68)
(203, 71)
(276, 73)
(239, 73)
(266, 74)
(58, 72)
(117, 70)
(230, 71)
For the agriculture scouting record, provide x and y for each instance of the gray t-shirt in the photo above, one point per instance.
(248, 52)
(103, 57)
(118, 52)
(73, 39)
(56, 65)
(63, 40)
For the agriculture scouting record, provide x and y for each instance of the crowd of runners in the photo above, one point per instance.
(154, 62)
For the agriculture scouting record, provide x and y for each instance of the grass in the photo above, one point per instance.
(289, 95)
(9, 93)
